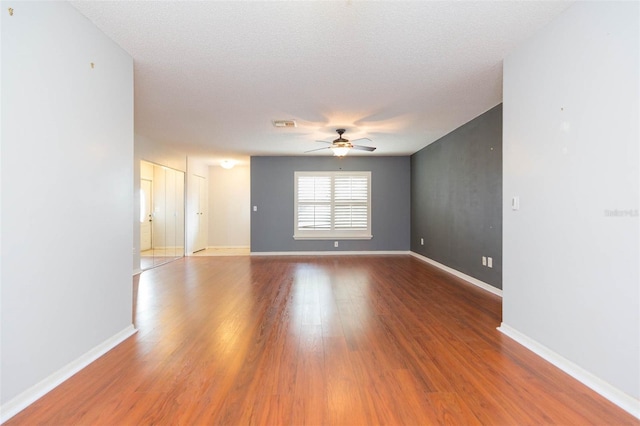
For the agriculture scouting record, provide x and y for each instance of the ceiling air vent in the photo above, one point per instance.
(284, 123)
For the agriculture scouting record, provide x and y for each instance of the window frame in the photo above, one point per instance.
(332, 234)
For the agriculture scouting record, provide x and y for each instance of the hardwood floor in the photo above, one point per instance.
(330, 340)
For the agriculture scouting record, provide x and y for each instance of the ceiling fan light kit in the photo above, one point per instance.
(341, 146)
(340, 151)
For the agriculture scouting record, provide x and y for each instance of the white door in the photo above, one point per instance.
(200, 240)
(145, 214)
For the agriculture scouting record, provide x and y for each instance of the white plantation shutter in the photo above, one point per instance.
(314, 202)
(351, 198)
(332, 205)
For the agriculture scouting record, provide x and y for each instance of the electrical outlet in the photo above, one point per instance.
(335, 244)
(255, 208)
(484, 260)
(421, 241)
(490, 262)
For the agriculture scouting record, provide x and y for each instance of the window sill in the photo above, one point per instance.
(332, 237)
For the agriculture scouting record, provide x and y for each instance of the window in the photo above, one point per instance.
(332, 205)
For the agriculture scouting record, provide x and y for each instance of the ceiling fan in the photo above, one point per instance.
(341, 146)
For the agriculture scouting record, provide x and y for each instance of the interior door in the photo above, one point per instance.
(180, 205)
(145, 214)
(200, 241)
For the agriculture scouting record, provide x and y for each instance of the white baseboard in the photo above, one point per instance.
(326, 253)
(28, 397)
(613, 394)
(227, 247)
(467, 278)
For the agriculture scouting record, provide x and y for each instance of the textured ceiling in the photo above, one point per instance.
(210, 76)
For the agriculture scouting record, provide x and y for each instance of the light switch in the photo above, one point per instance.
(515, 203)
(255, 208)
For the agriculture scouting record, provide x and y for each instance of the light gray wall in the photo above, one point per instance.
(67, 168)
(456, 193)
(571, 278)
(272, 188)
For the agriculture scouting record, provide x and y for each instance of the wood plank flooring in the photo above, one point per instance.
(303, 340)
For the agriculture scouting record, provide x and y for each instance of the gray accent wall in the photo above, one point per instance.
(456, 198)
(272, 192)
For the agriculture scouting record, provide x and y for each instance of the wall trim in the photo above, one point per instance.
(137, 271)
(613, 394)
(327, 253)
(35, 392)
(461, 275)
(227, 247)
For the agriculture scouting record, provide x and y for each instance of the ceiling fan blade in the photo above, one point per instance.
(364, 148)
(361, 139)
(326, 147)
(325, 142)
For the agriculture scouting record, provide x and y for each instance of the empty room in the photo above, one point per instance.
(320, 212)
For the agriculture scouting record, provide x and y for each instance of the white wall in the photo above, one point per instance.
(571, 277)
(67, 167)
(229, 206)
